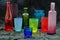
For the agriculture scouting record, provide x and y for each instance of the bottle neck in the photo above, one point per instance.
(8, 4)
(52, 7)
(25, 11)
(8, 11)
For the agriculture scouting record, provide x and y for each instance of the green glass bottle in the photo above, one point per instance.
(33, 23)
(25, 17)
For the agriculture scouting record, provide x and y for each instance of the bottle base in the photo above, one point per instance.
(8, 29)
(51, 33)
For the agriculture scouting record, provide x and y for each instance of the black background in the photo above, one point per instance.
(31, 4)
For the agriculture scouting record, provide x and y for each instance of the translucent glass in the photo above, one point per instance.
(52, 20)
(25, 17)
(18, 24)
(33, 23)
(44, 28)
(38, 14)
(44, 24)
(8, 19)
(14, 9)
(27, 32)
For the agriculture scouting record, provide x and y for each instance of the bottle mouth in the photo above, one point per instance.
(8, 3)
(25, 8)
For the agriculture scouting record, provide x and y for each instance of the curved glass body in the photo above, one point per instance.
(25, 17)
(52, 19)
(8, 19)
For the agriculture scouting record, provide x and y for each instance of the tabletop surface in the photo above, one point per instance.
(20, 35)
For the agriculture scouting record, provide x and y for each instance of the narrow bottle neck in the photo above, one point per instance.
(25, 11)
(52, 7)
(8, 11)
(8, 4)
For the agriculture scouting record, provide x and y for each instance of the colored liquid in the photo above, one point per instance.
(44, 24)
(27, 32)
(18, 24)
(33, 23)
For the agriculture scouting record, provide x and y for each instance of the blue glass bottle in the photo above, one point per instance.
(38, 14)
(27, 32)
(18, 24)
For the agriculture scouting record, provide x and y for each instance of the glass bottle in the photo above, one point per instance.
(8, 18)
(52, 19)
(25, 17)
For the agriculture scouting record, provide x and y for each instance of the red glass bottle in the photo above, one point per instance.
(8, 19)
(44, 24)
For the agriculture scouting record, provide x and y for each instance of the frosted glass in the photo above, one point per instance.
(18, 24)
